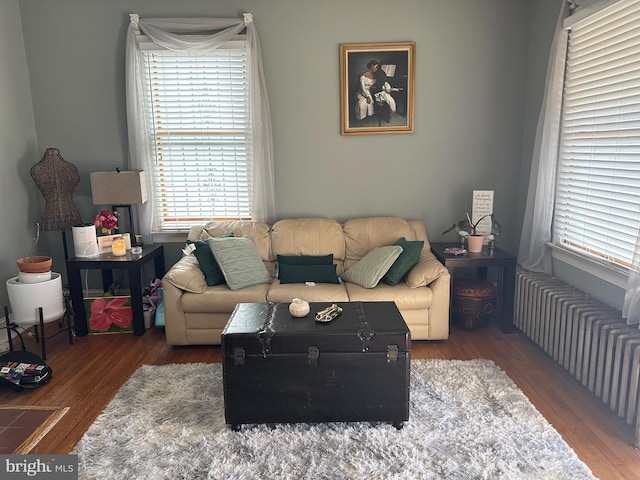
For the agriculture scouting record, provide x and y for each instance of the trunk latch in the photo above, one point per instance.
(392, 353)
(314, 353)
(238, 356)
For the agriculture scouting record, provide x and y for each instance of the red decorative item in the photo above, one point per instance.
(106, 221)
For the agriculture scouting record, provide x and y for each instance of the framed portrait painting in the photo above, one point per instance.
(377, 82)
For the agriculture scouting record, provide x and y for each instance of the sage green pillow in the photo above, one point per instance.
(410, 255)
(239, 261)
(368, 271)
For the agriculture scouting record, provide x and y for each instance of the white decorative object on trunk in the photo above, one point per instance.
(299, 308)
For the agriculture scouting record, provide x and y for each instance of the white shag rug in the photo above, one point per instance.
(467, 420)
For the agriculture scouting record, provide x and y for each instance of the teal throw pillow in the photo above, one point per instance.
(368, 271)
(239, 261)
(305, 259)
(410, 255)
(308, 273)
(207, 262)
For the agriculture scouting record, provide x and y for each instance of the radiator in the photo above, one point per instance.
(586, 337)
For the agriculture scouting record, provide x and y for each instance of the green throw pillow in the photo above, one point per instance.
(239, 261)
(305, 259)
(207, 262)
(368, 271)
(308, 273)
(408, 258)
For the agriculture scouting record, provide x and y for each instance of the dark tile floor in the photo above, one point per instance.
(16, 425)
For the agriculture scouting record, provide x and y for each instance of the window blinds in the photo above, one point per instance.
(598, 181)
(198, 118)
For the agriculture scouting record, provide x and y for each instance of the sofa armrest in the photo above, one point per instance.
(175, 321)
(439, 311)
(186, 275)
(426, 270)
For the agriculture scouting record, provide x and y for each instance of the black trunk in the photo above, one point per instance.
(282, 369)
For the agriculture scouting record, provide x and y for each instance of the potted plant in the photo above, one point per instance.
(35, 263)
(468, 229)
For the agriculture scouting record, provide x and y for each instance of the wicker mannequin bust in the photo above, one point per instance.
(56, 179)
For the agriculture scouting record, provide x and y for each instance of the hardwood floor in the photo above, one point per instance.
(89, 373)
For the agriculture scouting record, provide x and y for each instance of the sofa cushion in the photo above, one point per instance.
(307, 273)
(207, 262)
(259, 233)
(308, 236)
(220, 299)
(408, 258)
(405, 297)
(368, 271)
(320, 292)
(239, 261)
(361, 235)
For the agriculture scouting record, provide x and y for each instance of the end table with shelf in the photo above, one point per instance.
(487, 258)
(107, 262)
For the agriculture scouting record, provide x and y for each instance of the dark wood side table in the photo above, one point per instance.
(107, 262)
(503, 261)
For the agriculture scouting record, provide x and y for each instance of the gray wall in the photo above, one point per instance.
(18, 195)
(479, 64)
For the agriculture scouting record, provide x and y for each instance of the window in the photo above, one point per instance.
(198, 122)
(199, 129)
(597, 207)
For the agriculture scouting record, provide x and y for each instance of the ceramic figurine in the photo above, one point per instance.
(299, 308)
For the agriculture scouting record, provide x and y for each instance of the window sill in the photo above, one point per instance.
(609, 273)
(169, 237)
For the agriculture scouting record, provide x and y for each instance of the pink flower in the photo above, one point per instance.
(106, 220)
(104, 314)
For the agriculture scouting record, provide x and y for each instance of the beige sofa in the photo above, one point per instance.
(196, 314)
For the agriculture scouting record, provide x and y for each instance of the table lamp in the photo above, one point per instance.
(119, 189)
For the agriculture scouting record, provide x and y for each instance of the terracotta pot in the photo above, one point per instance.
(35, 264)
(474, 243)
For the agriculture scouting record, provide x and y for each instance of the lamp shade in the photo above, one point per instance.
(118, 187)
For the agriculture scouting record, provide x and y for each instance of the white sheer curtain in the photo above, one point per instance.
(169, 33)
(536, 230)
(631, 306)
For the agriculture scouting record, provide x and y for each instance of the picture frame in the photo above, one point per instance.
(113, 314)
(105, 241)
(377, 100)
